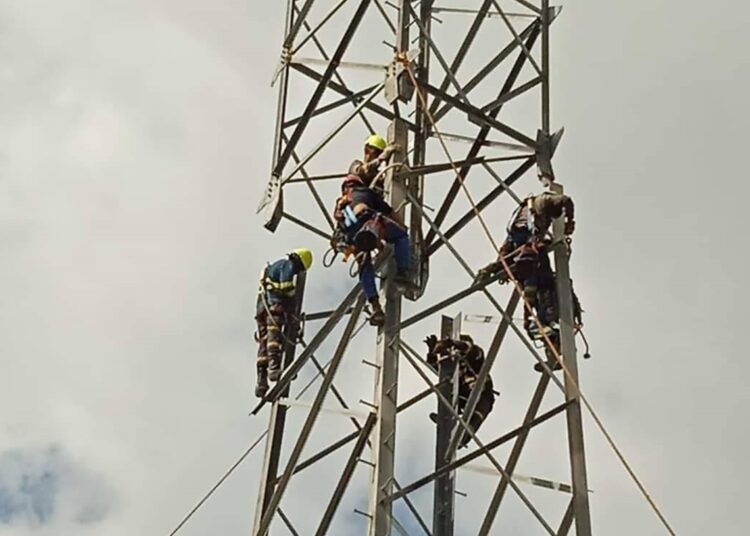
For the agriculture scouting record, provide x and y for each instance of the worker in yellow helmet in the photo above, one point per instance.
(377, 151)
(275, 302)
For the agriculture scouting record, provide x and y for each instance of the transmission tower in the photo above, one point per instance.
(473, 78)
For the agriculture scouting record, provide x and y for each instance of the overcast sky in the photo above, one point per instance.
(135, 142)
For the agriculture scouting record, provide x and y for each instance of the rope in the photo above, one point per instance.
(586, 403)
(423, 101)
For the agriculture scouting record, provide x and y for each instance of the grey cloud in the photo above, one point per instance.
(40, 486)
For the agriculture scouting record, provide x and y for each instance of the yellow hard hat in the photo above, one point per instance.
(305, 255)
(376, 141)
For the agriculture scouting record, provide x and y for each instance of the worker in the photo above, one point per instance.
(365, 221)
(525, 249)
(276, 301)
(469, 359)
(376, 153)
(547, 308)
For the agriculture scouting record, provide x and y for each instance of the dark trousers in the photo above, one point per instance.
(484, 405)
(271, 322)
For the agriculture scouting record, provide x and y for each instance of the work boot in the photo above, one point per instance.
(403, 277)
(538, 334)
(377, 318)
(486, 273)
(261, 384)
(553, 365)
(274, 370)
(465, 438)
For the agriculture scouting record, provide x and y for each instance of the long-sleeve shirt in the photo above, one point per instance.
(367, 171)
(470, 361)
(277, 283)
(360, 198)
(537, 212)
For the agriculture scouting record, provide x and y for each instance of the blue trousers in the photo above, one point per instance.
(394, 234)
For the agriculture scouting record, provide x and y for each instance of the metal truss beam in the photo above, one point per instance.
(351, 437)
(484, 372)
(312, 346)
(322, 84)
(386, 383)
(463, 50)
(567, 520)
(576, 445)
(481, 137)
(310, 185)
(476, 116)
(341, 90)
(287, 522)
(307, 427)
(489, 67)
(307, 226)
(302, 15)
(413, 358)
(480, 206)
(355, 97)
(515, 454)
(444, 503)
(475, 287)
(312, 32)
(346, 477)
(326, 61)
(479, 452)
(336, 130)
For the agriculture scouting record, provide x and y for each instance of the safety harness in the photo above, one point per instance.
(371, 234)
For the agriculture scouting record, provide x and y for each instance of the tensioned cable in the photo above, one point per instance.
(585, 401)
(219, 483)
(245, 454)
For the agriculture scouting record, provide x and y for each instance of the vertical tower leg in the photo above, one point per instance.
(443, 512)
(386, 384)
(277, 420)
(581, 512)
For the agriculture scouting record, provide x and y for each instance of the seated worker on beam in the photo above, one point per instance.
(376, 153)
(525, 251)
(469, 359)
(275, 303)
(365, 221)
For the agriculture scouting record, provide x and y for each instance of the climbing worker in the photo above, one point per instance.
(528, 227)
(365, 221)
(469, 359)
(525, 248)
(275, 303)
(377, 152)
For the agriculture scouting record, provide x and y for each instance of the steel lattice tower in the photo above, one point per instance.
(415, 88)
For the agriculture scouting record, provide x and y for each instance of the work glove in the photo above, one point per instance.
(431, 342)
(388, 151)
(570, 226)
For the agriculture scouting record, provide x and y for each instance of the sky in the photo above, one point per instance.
(135, 142)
